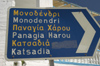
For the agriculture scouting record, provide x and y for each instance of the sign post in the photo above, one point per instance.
(51, 62)
(51, 33)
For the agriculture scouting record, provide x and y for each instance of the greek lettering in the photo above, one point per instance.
(49, 14)
(19, 44)
(54, 14)
(58, 28)
(36, 13)
(31, 13)
(16, 12)
(54, 28)
(47, 43)
(26, 13)
(39, 43)
(49, 27)
(41, 13)
(13, 43)
(21, 13)
(29, 43)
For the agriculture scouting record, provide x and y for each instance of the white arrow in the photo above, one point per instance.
(88, 35)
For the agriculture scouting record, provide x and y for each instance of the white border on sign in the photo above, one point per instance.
(52, 58)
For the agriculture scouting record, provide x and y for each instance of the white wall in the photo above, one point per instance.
(4, 4)
(46, 3)
(34, 3)
(26, 3)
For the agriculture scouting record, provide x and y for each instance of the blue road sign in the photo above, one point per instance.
(51, 33)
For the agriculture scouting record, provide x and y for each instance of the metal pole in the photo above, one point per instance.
(51, 62)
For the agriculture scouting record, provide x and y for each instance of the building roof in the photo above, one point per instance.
(66, 3)
(90, 4)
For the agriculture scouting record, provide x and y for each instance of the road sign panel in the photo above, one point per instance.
(51, 33)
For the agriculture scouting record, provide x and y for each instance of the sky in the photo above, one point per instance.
(93, 5)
